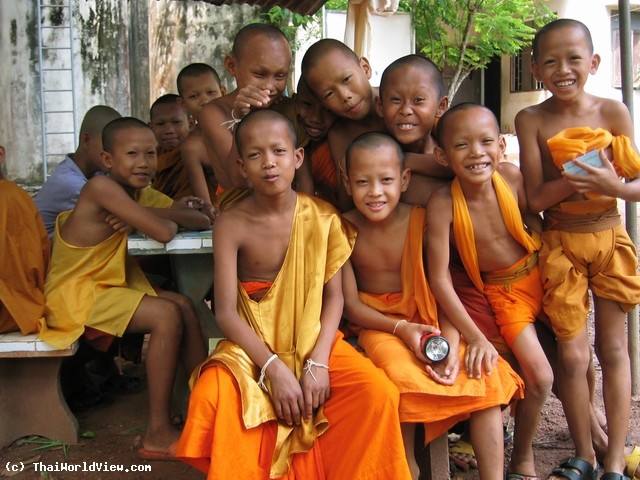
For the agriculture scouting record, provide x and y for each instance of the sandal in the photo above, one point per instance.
(574, 468)
(613, 476)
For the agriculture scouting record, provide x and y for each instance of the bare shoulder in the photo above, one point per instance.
(510, 172)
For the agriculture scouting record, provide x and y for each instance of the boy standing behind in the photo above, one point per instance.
(484, 209)
(259, 62)
(171, 126)
(386, 293)
(340, 80)
(24, 244)
(411, 100)
(584, 246)
(95, 289)
(60, 191)
(199, 84)
(284, 395)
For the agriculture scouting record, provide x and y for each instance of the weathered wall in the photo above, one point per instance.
(188, 32)
(19, 89)
(179, 33)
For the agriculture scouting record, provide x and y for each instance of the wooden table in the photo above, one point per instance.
(192, 269)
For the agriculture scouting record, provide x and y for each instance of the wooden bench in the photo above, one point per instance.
(432, 459)
(31, 400)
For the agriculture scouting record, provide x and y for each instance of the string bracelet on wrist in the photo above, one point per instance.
(230, 124)
(396, 326)
(263, 372)
(310, 363)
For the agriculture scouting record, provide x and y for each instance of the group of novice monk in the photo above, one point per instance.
(423, 230)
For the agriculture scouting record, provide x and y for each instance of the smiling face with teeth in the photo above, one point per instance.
(470, 142)
(564, 59)
(376, 176)
(410, 102)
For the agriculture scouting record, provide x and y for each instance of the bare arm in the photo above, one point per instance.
(286, 393)
(541, 195)
(186, 217)
(514, 177)
(480, 353)
(221, 145)
(109, 196)
(425, 164)
(191, 152)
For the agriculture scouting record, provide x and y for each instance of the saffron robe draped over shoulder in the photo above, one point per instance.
(463, 226)
(422, 399)
(24, 259)
(98, 286)
(573, 142)
(287, 319)
(172, 178)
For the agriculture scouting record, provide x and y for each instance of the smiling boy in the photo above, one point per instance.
(481, 217)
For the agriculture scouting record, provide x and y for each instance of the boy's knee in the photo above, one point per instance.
(378, 390)
(171, 320)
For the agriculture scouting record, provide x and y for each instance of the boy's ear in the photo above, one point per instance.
(230, 65)
(503, 144)
(299, 156)
(105, 159)
(2, 154)
(535, 71)
(241, 165)
(595, 63)
(379, 110)
(366, 66)
(223, 90)
(85, 138)
(345, 182)
(443, 106)
(440, 158)
(406, 177)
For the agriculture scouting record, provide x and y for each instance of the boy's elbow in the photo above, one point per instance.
(167, 232)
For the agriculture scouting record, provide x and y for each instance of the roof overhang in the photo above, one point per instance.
(304, 7)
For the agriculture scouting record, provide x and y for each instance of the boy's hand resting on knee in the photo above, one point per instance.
(480, 354)
(315, 388)
(446, 371)
(286, 393)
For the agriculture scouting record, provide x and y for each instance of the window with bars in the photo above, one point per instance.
(522, 80)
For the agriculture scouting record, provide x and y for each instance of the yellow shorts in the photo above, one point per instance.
(572, 263)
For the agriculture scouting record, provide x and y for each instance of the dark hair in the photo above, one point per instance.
(245, 33)
(322, 48)
(195, 70)
(112, 128)
(371, 140)
(260, 115)
(556, 25)
(167, 99)
(419, 61)
(444, 119)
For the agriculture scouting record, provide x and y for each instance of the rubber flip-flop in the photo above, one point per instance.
(168, 455)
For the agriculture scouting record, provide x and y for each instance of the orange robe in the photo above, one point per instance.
(232, 430)
(422, 399)
(172, 178)
(97, 287)
(324, 173)
(24, 259)
(515, 293)
(573, 142)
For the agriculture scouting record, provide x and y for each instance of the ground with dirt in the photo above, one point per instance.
(116, 430)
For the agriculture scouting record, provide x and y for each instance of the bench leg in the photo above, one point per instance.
(31, 401)
(433, 459)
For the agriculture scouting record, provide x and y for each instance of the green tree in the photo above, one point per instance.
(461, 36)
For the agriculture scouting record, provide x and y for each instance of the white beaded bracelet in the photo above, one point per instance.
(310, 363)
(396, 326)
(263, 372)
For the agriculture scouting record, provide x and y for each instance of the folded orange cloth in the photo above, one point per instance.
(573, 142)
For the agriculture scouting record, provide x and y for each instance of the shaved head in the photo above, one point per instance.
(96, 118)
(324, 47)
(418, 61)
